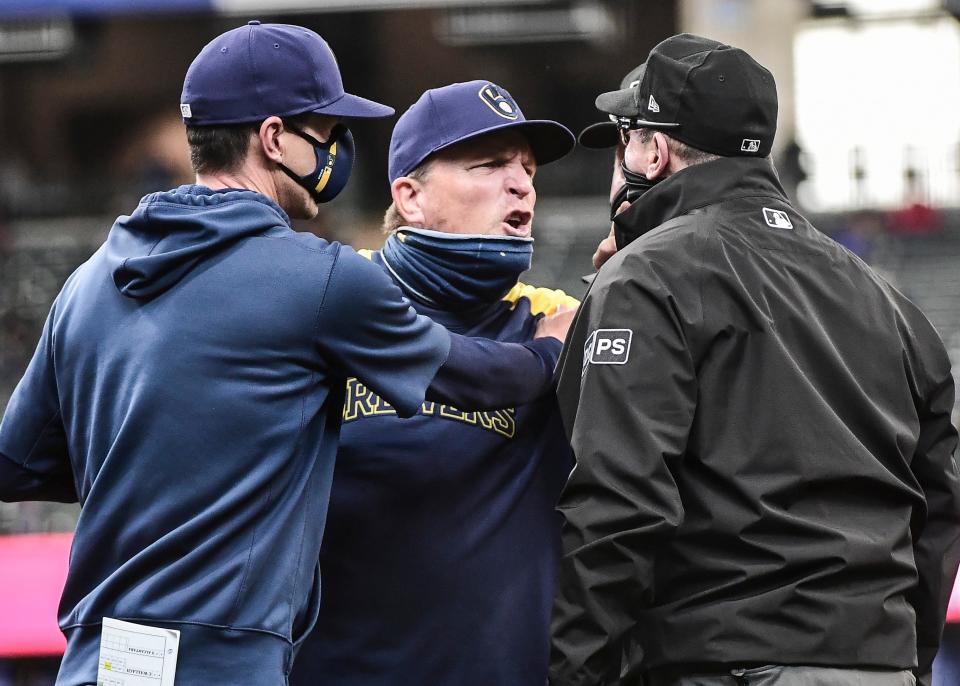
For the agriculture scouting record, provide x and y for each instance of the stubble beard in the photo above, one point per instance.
(297, 201)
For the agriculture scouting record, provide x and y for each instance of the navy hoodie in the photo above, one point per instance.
(187, 390)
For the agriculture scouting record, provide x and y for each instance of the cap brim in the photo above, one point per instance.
(549, 140)
(599, 136)
(356, 107)
(621, 103)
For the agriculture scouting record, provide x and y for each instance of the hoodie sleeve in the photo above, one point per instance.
(34, 461)
(523, 372)
(371, 330)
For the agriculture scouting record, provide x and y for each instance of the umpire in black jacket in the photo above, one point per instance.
(765, 490)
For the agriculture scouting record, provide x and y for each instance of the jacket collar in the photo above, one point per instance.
(700, 185)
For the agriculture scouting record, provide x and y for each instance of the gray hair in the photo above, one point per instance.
(392, 219)
(682, 151)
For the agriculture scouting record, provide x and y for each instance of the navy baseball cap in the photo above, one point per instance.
(604, 134)
(449, 115)
(261, 70)
(709, 95)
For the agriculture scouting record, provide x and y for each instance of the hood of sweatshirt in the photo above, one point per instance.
(171, 232)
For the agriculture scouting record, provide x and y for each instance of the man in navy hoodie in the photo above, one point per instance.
(442, 539)
(188, 385)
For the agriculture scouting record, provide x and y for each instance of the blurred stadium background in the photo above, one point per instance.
(868, 144)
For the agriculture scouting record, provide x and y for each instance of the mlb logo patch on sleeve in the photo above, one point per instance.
(778, 219)
(607, 346)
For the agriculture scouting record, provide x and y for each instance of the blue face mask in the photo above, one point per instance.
(456, 271)
(334, 163)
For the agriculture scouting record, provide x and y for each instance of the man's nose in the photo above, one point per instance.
(520, 183)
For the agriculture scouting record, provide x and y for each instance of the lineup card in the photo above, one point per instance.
(137, 655)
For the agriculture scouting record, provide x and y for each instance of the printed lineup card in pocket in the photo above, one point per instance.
(137, 655)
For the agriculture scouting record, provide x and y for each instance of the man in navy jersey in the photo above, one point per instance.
(442, 539)
(188, 385)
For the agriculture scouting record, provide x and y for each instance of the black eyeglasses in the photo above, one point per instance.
(624, 126)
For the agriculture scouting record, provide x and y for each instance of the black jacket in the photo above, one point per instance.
(765, 467)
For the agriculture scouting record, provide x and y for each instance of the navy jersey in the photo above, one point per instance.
(442, 540)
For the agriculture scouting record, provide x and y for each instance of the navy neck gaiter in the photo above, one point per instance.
(456, 271)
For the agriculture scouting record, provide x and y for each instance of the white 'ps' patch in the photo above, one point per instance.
(607, 346)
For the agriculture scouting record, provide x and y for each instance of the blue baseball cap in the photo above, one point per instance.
(261, 70)
(449, 115)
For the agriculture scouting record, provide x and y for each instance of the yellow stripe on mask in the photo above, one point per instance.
(325, 176)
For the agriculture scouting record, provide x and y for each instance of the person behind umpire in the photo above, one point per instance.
(765, 490)
(189, 381)
(442, 539)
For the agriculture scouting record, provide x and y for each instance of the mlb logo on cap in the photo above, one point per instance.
(750, 145)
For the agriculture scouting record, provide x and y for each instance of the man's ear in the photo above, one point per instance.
(658, 159)
(408, 198)
(268, 138)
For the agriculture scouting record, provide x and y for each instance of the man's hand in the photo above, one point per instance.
(605, 250)
(557, 324)
(608, 245)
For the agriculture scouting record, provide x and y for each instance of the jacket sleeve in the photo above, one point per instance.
(936, 537)
(628, 409)
(34, 460)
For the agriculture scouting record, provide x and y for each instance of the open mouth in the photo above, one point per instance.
(519, 222)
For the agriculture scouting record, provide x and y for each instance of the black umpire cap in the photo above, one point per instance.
(603, 134)
(706, 94)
